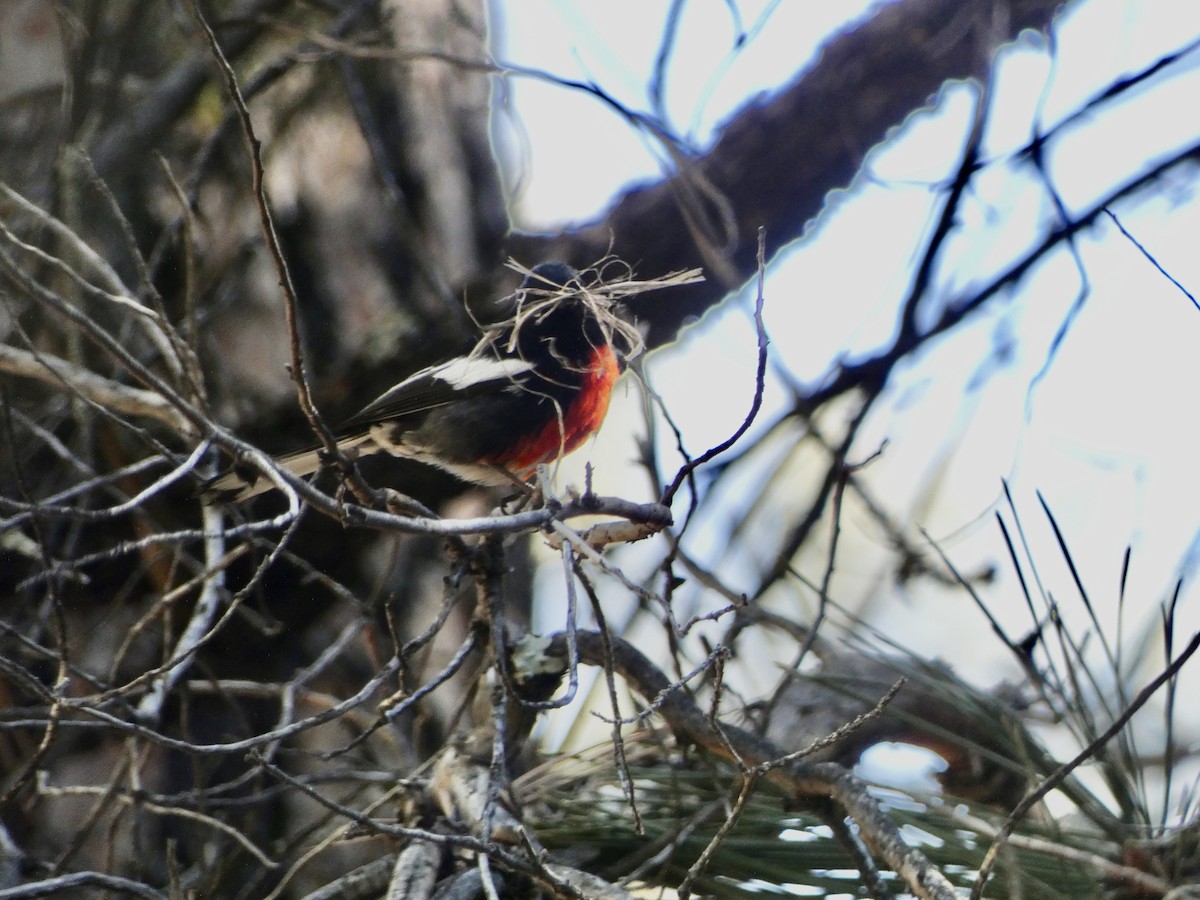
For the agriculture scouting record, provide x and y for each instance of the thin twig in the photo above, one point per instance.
(760, 377)
(297, 369)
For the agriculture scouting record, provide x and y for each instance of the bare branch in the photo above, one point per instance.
(105, 392)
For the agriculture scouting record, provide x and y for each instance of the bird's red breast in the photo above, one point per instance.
(581, 418)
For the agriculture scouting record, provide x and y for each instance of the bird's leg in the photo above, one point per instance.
(528, 497)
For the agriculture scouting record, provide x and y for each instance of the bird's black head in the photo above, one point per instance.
(551, 275)
(562, 316)
(557, 319)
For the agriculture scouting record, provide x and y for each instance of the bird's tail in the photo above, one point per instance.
(244, 481)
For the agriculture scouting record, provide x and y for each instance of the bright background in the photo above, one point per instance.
(1104, 427)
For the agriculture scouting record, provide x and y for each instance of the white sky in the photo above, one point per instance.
(1108, 436)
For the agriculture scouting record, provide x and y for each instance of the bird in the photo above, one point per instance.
(534, 388)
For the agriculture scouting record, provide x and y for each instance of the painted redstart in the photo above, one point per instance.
(534, 388)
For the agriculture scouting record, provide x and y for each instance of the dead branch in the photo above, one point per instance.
(802, 781)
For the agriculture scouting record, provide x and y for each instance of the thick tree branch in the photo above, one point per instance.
(775, 162)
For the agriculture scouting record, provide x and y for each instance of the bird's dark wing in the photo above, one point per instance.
(440, 385)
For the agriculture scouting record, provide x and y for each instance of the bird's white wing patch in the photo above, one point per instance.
(437, 386)
(466, 371)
